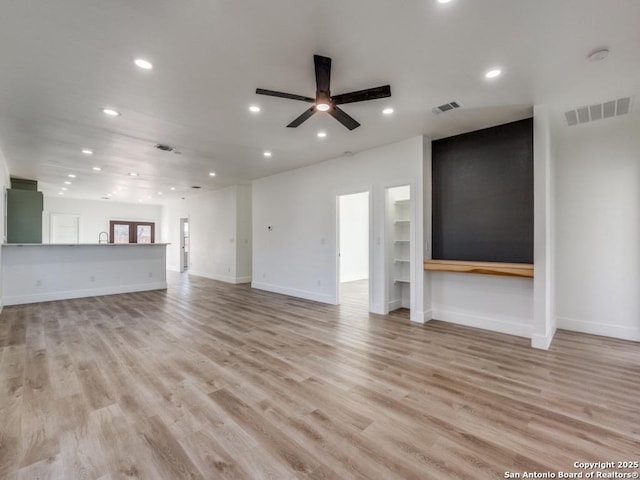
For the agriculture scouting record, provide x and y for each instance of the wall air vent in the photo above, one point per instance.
(446, 107)
(165, 148)
(196, 186)
(613, 108)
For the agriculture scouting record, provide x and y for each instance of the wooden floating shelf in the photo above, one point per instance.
(487, 268)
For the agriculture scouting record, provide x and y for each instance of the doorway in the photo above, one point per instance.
(184, 244)
(353, 249)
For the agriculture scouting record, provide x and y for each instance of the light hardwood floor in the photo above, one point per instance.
(210, 380)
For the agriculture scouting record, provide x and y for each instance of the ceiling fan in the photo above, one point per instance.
(324, 102)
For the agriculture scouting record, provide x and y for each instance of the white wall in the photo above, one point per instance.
(297, 255)
(95, 216)
(219, 233)
(354, 237)
(598, 227)
(244, 251)
(544, 316)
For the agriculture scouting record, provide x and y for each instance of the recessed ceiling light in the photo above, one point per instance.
(97, 169)
(71, 175)
(599, 54)
(139, 199)
(172, 188)
(111, 112)
(267, 154)
(444, 1)
(387, 111)
(322, 134)
(159, 193)
(67, 183)
(133, 174)
(493, 73)
(86, 151)
(144, 64)
(212, 174)
(149, 197)
(64, 189)
(60, 193)
(254, 109)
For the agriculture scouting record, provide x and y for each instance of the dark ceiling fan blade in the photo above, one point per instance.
(291, 96)
(362, 95)
(302, 118)
(323, 73)
(343, 118)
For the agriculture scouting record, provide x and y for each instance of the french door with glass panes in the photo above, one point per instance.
(131, 232)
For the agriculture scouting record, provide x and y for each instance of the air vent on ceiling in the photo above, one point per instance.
(446, 107)
(196, 186)
(599, 111)
(165, 148)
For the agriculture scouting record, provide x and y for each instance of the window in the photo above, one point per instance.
(132, 232)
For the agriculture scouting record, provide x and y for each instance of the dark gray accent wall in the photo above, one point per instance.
(483, 195)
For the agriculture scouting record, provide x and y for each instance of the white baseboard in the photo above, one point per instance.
(292, 292)
(1, 304)
(394, 305)
(87, 292)
(220, 278)
(542, 342)
(603, 329)
(486, 323)
(427, 316)
(353, 278)
(377, 308)
(420, 317)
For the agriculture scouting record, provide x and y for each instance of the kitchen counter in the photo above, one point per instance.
(42, 272)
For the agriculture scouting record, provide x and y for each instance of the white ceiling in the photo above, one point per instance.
(62, 61)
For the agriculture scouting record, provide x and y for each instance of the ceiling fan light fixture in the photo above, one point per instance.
(323, 107)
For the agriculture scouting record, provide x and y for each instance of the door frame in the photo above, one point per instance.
(183, 266)
(354, 191)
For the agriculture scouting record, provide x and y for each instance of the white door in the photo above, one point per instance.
(64, 228)
(184, 244)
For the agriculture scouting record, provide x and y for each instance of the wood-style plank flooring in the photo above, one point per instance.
(208, 380)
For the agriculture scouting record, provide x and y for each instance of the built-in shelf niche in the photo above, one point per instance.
(400, 265)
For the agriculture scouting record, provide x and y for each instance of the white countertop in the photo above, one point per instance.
(82, 244)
